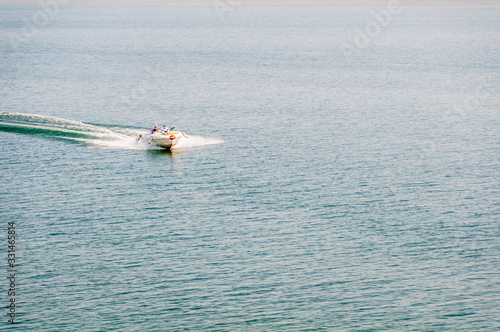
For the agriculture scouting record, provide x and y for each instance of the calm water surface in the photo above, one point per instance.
(319, 190)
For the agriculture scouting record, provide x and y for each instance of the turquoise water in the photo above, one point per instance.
(341, 173)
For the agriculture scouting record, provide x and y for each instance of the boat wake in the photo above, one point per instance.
(92, 135)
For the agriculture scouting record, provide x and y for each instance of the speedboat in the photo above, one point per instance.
(165, 139)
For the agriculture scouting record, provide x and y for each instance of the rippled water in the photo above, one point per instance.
(320, 189)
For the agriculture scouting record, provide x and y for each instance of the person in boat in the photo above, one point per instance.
(154, 130)
(165, 130)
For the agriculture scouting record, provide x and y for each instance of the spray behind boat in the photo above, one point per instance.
(93, 135)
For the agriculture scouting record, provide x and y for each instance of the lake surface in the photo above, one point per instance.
(341, 171)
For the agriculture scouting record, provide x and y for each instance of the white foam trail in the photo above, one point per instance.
(125, 143)
(94, 135)
(53, 126)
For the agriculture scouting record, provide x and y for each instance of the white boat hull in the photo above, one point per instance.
(165, 141)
